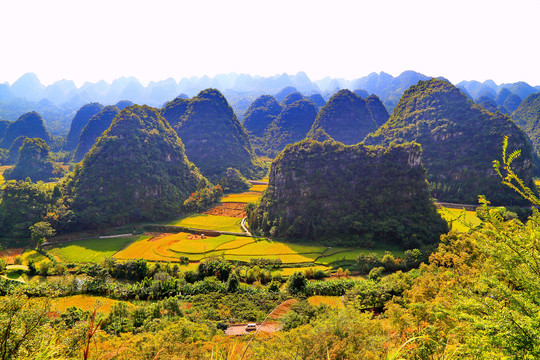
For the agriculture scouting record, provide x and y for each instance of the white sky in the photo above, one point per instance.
(154, 40)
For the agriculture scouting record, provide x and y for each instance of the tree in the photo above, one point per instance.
(40, 231)
(297, 283)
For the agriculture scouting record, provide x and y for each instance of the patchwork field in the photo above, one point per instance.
(452, 215)
(90, 250)
(209, 222)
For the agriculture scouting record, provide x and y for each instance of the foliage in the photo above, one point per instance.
(345, 118)
(202, 199)
(290, 126)
(296, 283)
(458, 140)
(213, 137)
(29, 125)
(234, 181)
(23, 204)
(260, 114)
(34, 162)
(136, 171)
(40, 231)
(94, 129)
(80, 120)
(354, 195)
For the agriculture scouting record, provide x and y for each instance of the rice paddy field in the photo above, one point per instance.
(247, 197)
(332, 301)
(209, 222)
(86, 303)
(90, 250)
(452, 216)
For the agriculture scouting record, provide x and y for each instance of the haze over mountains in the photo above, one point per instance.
(58, 102)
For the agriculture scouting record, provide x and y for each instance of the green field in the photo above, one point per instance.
(209, 222)
(452, 215)
(90, 250)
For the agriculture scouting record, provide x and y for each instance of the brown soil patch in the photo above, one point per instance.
(228, 209)
(10, 254)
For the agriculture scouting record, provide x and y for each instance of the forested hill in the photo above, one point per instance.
(459, 139)
(214, 138)
(345, 118)
(30, 125)
(93, 129)
(78, 123)
(348, 195)
(290, 126)
(260, 115)
(136, 171)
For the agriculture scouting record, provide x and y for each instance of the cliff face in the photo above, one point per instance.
(459, 140)
(351, 195)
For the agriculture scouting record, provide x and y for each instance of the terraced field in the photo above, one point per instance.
(209, 222)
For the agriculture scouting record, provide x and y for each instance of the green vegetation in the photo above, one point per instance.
(34, 162)
(459, 222)
(89, 250)
(290, 126)
(348, 195)
(93, 129)
(136, 171)
(30, 125)
(213, 137)
(345, 118)
(260, 114)
(527, 116)
(458, 139)
(80, 120)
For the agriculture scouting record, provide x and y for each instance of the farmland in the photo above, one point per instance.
(90, 250)
(209, 222)
(453, 217)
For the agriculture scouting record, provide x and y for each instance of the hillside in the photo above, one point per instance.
(78, 123)
(348, 195)
(93, 129)
(291, 125)
(30, 125)
(33, 162)
(260, 115)
(136, 171)
(459, 139)
(377, 109)
(213, 137)
(527, 116)
(345, 118)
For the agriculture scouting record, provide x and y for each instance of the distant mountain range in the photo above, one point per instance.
(58, 102)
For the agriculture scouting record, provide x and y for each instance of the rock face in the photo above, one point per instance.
(291, 125)
(95, 127)
(33, 162)
(459, 139)
(30, 125)
(78, 123)
(260, 115)
(136, 171)
(214, 138)
(348, 195)
(345, 118)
